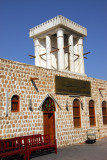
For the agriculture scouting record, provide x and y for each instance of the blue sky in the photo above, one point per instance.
(18, 16)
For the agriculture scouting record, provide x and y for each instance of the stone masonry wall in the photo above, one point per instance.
(15, 77)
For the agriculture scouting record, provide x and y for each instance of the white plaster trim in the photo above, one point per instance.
(6, 102)
(51, 96)
(55, 22)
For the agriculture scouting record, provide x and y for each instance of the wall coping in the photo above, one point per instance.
(58, 21)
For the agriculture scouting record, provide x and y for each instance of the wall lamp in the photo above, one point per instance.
(30, 106)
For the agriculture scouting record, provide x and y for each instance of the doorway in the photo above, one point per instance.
(48, 109)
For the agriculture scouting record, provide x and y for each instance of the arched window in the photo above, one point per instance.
(15, 103)
(48, 105)
(92, 113)
(76, 113)
(104, 111)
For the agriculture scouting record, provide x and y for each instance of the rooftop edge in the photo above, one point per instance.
(58, 20)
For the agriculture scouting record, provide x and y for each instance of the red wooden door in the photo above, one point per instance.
(49, 125)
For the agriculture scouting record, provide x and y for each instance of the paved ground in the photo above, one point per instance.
(96, 151)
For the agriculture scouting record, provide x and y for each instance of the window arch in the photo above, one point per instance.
(76, 113)
(104, 112)
(48, 105)
(92, 113)
(15, 103)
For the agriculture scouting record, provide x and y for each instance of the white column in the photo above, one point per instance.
(48, 50)
(37, 51)
(60, 45)
(81, 57)
(71, 51)
(76, 58)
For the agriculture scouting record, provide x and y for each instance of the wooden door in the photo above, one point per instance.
(49, 125)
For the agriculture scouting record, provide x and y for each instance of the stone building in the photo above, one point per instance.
(55, 96)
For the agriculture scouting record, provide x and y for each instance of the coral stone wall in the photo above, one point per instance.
(15, 78)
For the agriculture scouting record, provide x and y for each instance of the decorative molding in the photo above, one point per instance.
(51, 96)
(58, 20)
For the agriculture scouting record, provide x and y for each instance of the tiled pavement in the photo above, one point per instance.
(96, 151)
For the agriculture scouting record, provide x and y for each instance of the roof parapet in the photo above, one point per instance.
(54, 22)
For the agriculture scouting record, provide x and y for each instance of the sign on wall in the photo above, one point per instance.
(69, 86)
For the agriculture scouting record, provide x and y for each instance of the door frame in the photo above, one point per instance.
(48, 112)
